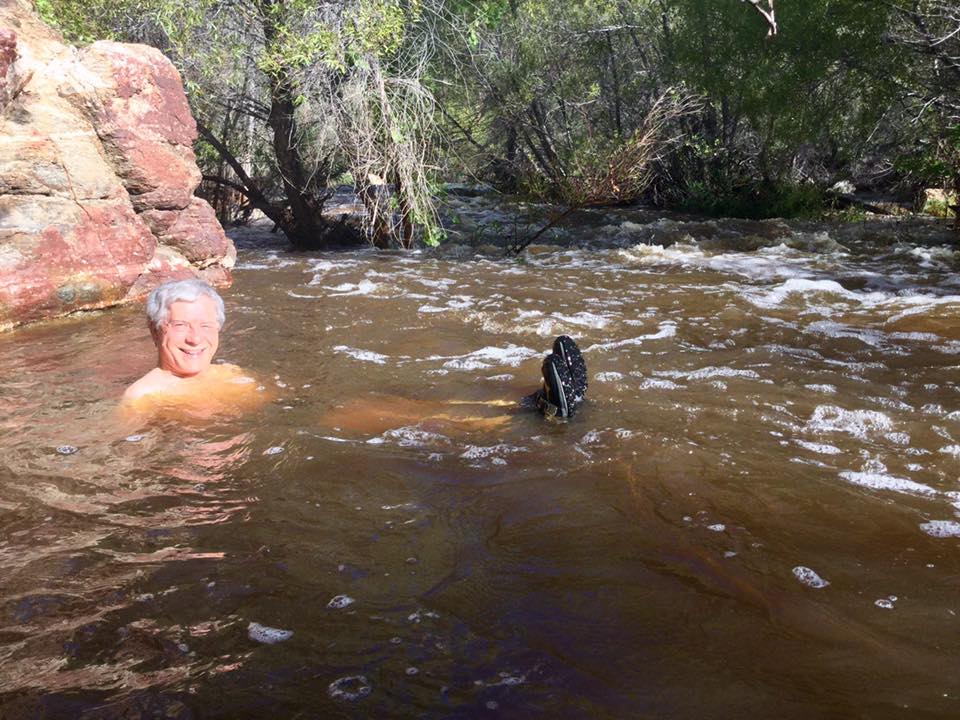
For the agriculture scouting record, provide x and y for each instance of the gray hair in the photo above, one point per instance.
(160, 300)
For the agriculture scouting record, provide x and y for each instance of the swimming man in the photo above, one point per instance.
(185, 318)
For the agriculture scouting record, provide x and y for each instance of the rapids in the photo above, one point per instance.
(755, 514)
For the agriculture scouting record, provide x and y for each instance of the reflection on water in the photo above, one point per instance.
(755, 514)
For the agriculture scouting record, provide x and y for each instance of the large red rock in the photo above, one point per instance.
(97, 175)
(141, 115)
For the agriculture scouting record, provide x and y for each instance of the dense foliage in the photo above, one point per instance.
(745, 107)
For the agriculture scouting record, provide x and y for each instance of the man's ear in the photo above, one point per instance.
(156, 335)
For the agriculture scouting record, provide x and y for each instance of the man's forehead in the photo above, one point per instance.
(202, 306)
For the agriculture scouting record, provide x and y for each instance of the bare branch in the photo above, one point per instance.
(768, 14)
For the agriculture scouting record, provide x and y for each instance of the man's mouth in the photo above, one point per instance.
(192, 353)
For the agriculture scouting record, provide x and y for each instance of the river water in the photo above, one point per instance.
(755, 514)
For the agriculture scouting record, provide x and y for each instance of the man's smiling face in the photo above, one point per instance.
(190, 337)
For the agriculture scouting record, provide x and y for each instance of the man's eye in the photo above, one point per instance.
(178, 325)
(207, 327)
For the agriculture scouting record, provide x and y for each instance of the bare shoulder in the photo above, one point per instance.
(156, 380)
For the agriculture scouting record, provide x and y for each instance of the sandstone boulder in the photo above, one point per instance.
(97, 175)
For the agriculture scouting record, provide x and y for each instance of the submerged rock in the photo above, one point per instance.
(97, 174)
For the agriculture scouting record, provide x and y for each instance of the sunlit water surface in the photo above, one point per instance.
(754, 515)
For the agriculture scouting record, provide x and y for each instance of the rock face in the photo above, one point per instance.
(97, 175)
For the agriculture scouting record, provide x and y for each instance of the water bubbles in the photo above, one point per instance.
(267, 635)
(351, 688)
(412, 671)
(886, 603)
(338, 602)
(717, 527)
(418, 616)
(66, 449)
(275, 450)
(941, 528)
(809, 578)
(134, 438)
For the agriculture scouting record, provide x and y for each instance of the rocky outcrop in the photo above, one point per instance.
(97, 175)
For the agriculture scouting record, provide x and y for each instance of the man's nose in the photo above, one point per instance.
(192, 336)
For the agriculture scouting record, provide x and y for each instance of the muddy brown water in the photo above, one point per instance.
(754, 515)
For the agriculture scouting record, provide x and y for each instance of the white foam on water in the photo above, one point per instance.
(267, 635)
(886, 603)
(509, 680)
(656, 384)
(892, 403)
(858, 423)
(441, 284)
(479, 452)
(418, 616)
(350, 688)
(338, 602)
(591, 437)
(401, 506)
(430, 309)
(320, 268)
(558, 323)
(460, 302)
(919, 303)
(364, 287)
(953, 450)
(832, 329)
(411, 436)
(608, 377)
(809, 577)
(362, 355)
(134, 438)
(717, 527)
(655, 255)
(709, 372)
(668, 329)
(802, 287)
(819, 447)
(898, 438)
(275, 450)
(488, 357)
(624, 434)
(941, 528)
(883, 481)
